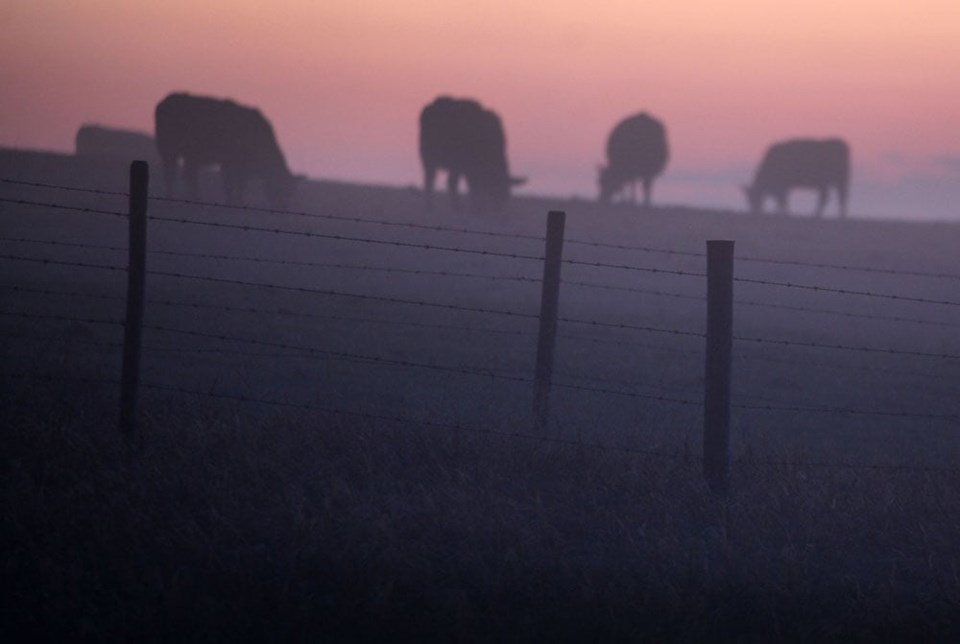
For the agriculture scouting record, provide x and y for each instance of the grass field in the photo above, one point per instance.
(305, 527)
(319, 519)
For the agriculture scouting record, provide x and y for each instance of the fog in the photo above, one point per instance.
(877, 252)
(334, 434)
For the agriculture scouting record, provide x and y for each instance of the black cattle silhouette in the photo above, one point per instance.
(820, 164)
(467, 140)
(105, 142)
(202, 131)
(636, 151)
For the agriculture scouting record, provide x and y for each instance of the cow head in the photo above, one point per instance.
(280, 189)
(489, 192)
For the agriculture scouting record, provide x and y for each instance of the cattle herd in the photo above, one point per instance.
(458, 136)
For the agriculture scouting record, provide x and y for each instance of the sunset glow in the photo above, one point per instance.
(343, 82)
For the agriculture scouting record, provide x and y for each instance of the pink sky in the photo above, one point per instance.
(343, 82)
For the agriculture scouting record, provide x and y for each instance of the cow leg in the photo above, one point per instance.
(190, 177)
(842, 198)
(233, 181)
(453, 187)
(783, 202)
(429, 178)
(170, 167)
(821, 201)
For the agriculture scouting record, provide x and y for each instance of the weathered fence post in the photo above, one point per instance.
(136, 277)
(716, 408)
(549, 307)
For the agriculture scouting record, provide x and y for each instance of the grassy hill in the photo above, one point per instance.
(354, 460)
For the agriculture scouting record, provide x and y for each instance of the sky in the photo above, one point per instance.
(343, 83)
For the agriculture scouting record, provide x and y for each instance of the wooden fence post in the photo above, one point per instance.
(136, 277)
(549, 307)
(716, 408)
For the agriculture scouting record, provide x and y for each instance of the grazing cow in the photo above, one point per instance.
(463, 138)
(801, 163)
(636, 151)
(201, 131)
(104, 142)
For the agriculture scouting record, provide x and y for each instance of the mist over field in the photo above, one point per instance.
(336, 431)
(347, 413)
(343, 85)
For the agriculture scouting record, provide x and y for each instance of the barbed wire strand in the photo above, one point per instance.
(282, 262)
(277, 312)
(683, 456)
(37, 184)
(455, 274)
(349, 238)
(405, 363)
(594, 323)
(844, 347)
(44, 204)
(755, 303)
(843, 291)
(595, 244)
(690, 353)
(57, 262)
(487, 373)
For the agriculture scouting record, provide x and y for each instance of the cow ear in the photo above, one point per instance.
(517, 181)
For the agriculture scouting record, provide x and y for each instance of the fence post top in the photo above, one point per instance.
(556, 215)
(720, 248)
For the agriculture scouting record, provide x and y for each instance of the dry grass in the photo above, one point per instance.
(228, 526)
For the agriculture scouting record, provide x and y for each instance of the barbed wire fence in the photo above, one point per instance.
(542, 380)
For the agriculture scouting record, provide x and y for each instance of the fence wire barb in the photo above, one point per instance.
(57, 262)
(846, 411)
(278, 262)
(60, 318)
(276, 312)
(402, 363)
(631, 327)
(343, 355)
(595, 244)
(455, 274)
(37, 184)
(630, 267)
(45, 204)
(844, 347)
(843, 291)
(335, 293)
(846, 267)
(349, 238)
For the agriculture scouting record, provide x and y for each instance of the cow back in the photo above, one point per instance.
(637, 147)
(462, 137)
(804, 163)
(214, 131)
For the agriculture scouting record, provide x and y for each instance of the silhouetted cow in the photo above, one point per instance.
(636, 151)
(203, 131)
(463, 138)
(801, 163)
(104, 142)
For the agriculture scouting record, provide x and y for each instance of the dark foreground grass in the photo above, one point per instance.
(231, 527)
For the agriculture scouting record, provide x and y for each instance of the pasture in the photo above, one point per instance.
(336, 431)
